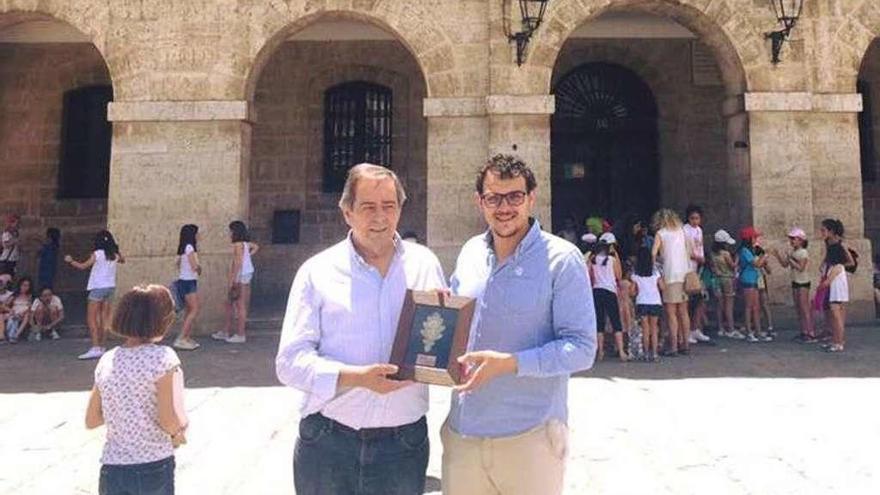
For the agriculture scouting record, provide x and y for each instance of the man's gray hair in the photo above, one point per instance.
(368, 171)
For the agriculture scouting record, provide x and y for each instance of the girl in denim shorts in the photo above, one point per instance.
(102, 285)
(188, 284)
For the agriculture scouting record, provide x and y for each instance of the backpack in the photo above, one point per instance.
(855, 257)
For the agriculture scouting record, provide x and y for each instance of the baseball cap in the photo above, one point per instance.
(588, 237)
(723, 236)
(749, 232)
(608, 238)
(797, 233)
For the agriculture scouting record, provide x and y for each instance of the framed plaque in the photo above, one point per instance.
(431, 335)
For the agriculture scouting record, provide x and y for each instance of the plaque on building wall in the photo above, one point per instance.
(704, 67)
(432, 334)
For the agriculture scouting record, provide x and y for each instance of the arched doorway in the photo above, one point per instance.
(869, 139)
(55, 140)
(332, 94)
(603, 145)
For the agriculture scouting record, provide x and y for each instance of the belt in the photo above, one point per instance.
(366, 433)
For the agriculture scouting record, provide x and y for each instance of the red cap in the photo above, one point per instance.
(749, 233)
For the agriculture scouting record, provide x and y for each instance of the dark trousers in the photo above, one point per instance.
(333, 459)
(606, 305)
(151, 478)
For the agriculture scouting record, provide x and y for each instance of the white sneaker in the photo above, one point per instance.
(35, 337)
(236, 339)
(220, 335)
(763, 337)
(185, 344)
(736, 334)
(701, 336)
(751, 338)
(692, 338)
(55, 335)
(93, 353)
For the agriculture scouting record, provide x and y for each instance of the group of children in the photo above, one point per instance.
(21, 315)
(665, 280)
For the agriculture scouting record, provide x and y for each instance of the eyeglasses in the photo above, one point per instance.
(513, 198)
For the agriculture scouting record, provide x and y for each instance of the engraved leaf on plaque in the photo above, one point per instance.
(432, 330)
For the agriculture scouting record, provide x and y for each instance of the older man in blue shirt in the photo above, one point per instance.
(361, 432)
(534, 326)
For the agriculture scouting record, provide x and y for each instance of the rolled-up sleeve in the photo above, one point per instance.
(298, 363)
(574, 324)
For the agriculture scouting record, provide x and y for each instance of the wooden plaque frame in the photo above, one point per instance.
(408, 329)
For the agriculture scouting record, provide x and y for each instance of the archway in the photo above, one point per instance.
(688, 141)
(360, 99)
(54, 138)
(604, 144)
(868, 86)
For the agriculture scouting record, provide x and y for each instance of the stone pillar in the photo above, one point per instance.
(458, 137)
(462, 134)
(178, 162)
(805, 167)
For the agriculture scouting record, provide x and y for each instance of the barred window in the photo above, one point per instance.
(84, 171)
(357, 129)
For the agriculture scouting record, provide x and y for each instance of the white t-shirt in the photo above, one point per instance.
(695, 234)
(649, 292)
(247, 266)
(21, 304)
(55, 303)
(603, 274)
(674, 255)
(839, 290)
(103, 274)
(126, 379)
(186, 270)
(9, 253)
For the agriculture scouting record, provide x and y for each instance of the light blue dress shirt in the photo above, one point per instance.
(342, 311)
(538, 305)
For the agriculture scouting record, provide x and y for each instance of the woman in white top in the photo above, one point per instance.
(605, 273)
(838, 294)
(102, 285)
(138, 394)
(240, 275)
(672, 248)
(188, 284)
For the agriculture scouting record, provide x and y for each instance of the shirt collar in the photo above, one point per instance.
(399, 248)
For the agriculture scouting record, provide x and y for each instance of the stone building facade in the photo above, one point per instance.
(219, 112)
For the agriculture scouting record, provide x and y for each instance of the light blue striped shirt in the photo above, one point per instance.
(538, 305)
(342, 311)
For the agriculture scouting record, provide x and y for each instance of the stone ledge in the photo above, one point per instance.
(521, 105)
(489, 105)
(803, 102)
(178, 111)
(454, 107)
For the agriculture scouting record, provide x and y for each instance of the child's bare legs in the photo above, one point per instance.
(729, 300)
(192, 310)
(229, 308)
(838, 322)
(243, 304)
(684, 325)
(672, 323)
(801, 298)
(646, 334)
(655, 334)
(618, 345)
(94, 319)
(764, 297)
(752, 311)
(600, 345)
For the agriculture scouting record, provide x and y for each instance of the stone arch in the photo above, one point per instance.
(567, 15)
(89, 24)
(854, 41)
(429, 47)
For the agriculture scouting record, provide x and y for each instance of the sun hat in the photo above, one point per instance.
(608, 238)
(590, 238)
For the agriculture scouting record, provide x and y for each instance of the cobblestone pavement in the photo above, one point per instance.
(775, 418)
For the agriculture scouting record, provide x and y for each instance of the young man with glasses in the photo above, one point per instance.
(535, 325)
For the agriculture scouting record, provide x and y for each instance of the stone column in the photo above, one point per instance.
(173, 163)
(458, 137)
(805, 167)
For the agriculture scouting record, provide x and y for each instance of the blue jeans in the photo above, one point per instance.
(333, 459)
(151, 478)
